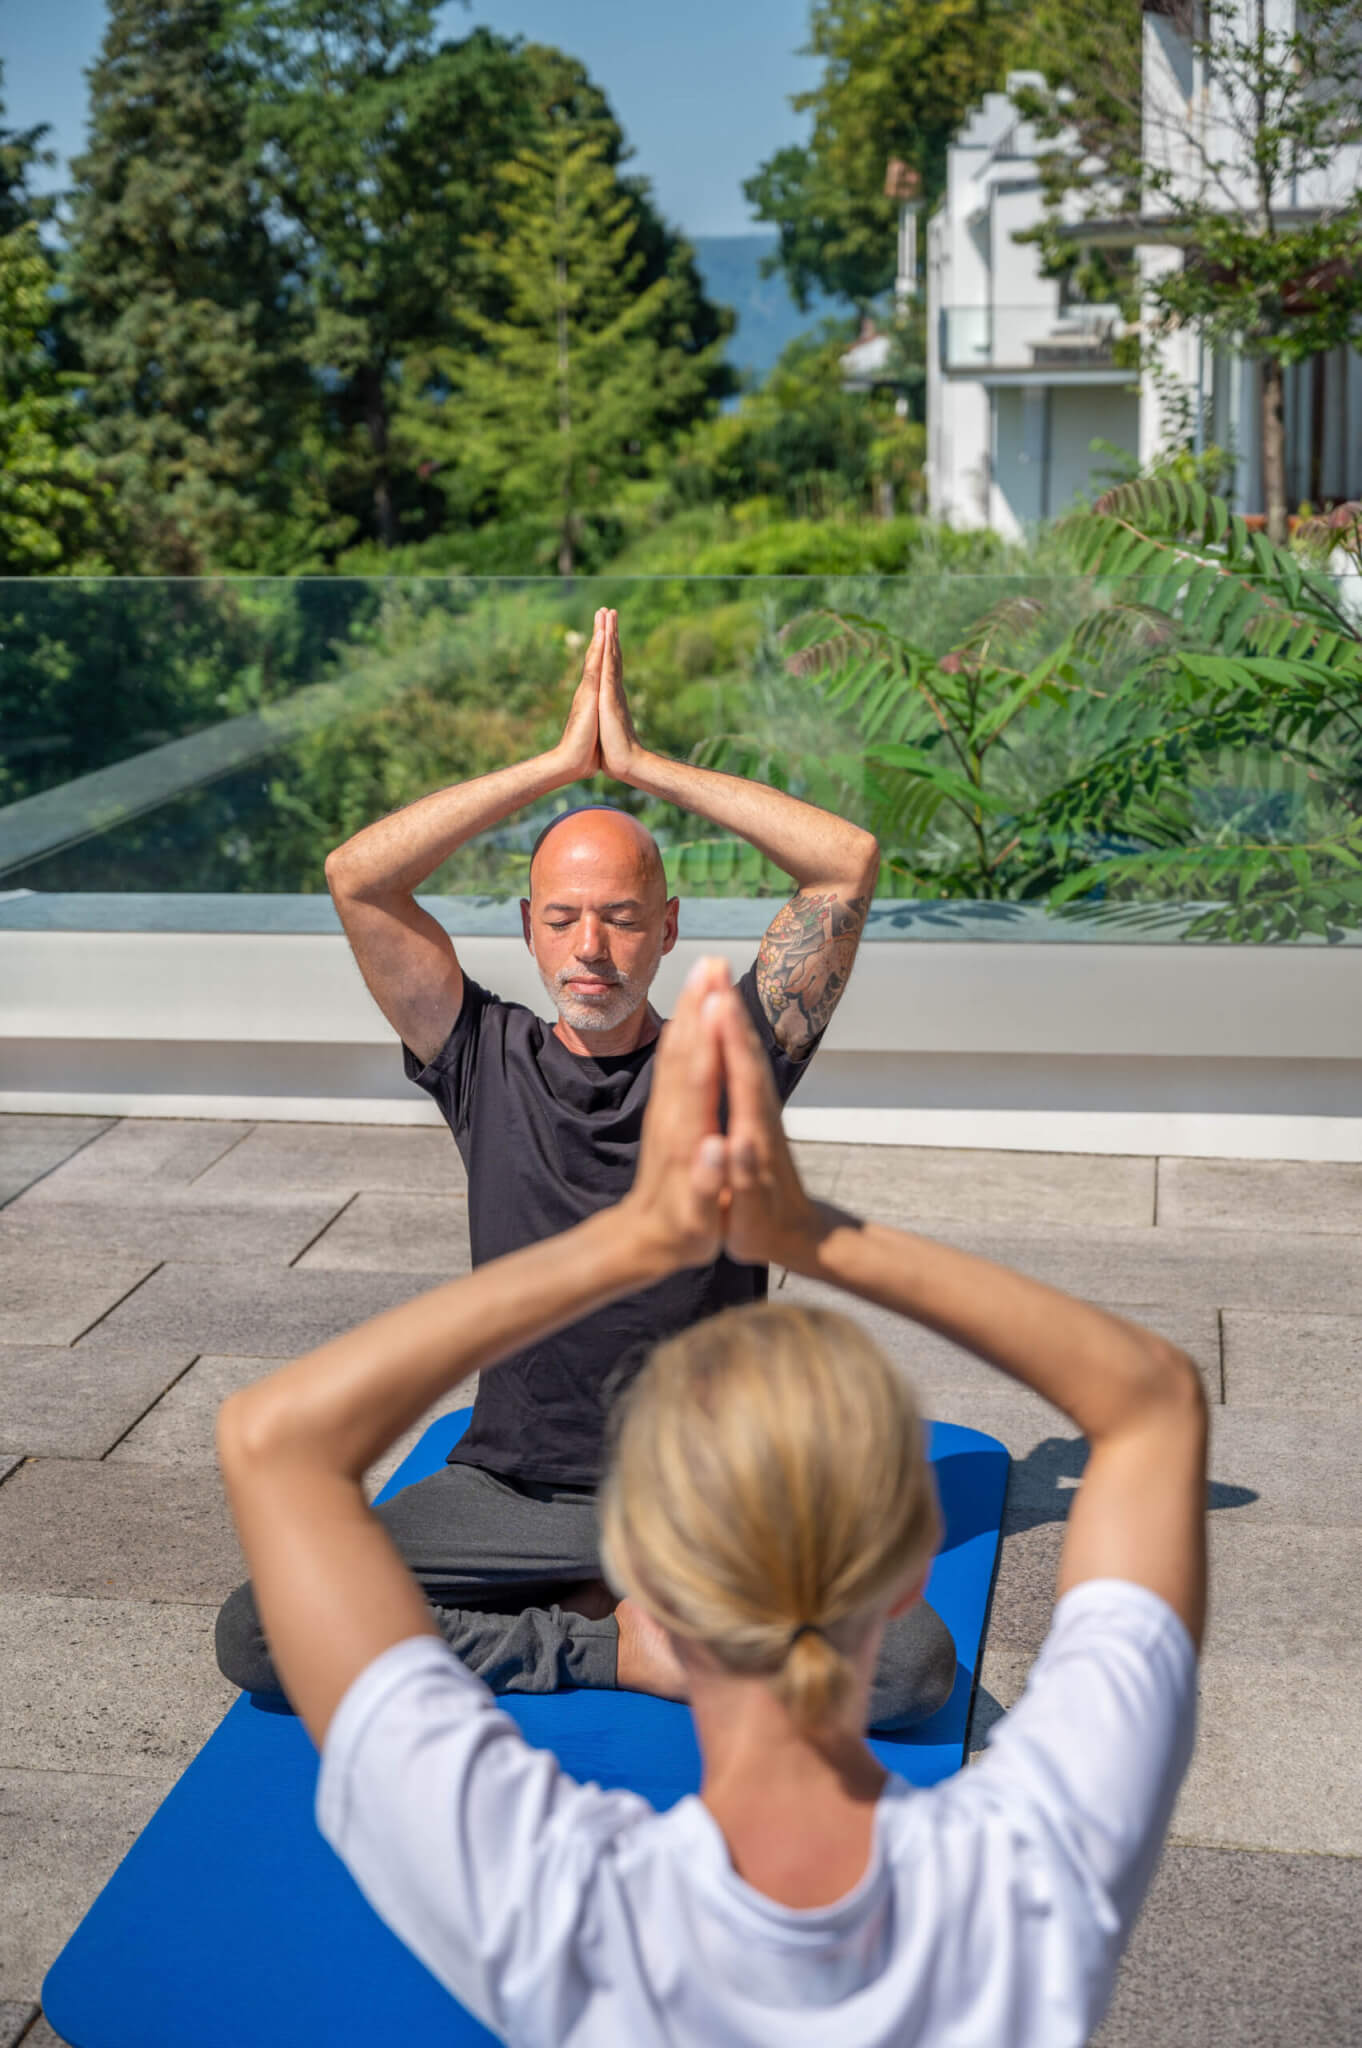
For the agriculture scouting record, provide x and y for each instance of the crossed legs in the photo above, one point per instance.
(508, 1568)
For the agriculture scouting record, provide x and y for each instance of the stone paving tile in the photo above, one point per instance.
(1300, 1466)
(340, 1159)
(105, 1531)
(179, 1430)
(1245, 1952)
(56, 1401)
(33, 1145)
(56, 1298)
(15, 2014)
(138, 1153)
(1297, 1361)
(395, 1234)
(256, 1314)
(269, 1230)
(10, 1461)
(935, 1363)
(1260, 1194)
(42, 2035)
(86, 1825)
(129, 1687)
(1276, 1759)
(820, 1165)
(901, 1184)
(1285, 1594)
(1192, 1268)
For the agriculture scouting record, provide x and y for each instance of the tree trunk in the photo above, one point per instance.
(376, 425)
(1274, 449)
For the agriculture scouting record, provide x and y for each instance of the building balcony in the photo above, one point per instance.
(1039, 344)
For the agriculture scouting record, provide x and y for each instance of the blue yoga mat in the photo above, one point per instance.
(230, 1924)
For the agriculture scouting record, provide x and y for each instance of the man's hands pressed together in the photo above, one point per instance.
(579, 750)
(600, 735)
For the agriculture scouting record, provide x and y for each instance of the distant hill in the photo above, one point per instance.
(768, 317)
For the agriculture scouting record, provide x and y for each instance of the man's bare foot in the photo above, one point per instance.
(647, 1661)
(589, 1597)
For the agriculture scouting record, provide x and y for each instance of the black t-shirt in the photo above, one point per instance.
(550, 1137)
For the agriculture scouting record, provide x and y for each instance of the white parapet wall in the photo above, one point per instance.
(1017, 1040)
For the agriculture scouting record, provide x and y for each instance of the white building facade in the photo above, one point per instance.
(1188, 123)
(1020, 382)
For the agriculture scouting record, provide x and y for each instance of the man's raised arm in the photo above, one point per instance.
(806, 956)
(404, 954)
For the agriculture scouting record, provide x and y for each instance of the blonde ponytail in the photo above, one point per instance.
(768, 1489)
(816, 1681)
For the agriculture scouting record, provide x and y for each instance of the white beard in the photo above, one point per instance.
(604, 1012)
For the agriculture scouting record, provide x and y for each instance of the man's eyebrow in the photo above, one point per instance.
(620, 903)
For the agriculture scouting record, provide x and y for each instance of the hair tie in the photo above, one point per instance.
(806, 1628)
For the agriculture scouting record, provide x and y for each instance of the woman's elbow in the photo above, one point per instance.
(1176, 1384)
(247, 1432)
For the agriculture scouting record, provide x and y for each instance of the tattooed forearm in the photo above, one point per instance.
(804, 963)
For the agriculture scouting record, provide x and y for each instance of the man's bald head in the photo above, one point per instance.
(601, 837)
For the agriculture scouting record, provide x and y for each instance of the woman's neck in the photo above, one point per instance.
(797, 1813)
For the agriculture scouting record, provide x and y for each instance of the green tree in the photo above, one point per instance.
(379, 147)
(177, 300)
(51, 506)
(899, 77)
(584, 362)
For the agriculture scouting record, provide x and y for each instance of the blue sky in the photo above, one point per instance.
(702, 89)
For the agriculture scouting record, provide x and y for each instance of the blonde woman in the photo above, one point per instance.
(769, 1508)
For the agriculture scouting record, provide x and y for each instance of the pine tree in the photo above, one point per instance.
(584, 364)
(178, 297)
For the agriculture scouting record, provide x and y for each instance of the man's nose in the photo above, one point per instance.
(591, 940)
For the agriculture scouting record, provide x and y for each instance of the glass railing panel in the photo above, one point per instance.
(1040, 755)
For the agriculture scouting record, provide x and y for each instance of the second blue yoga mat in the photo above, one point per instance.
(230, 1924)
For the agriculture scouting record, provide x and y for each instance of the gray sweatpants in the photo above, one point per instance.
(492, 1556)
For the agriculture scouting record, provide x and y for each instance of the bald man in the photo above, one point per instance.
(547, 1118)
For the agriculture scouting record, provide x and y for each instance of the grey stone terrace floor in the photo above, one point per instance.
(148, 1267)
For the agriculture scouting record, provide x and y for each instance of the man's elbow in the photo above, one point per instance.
(863, 861)
(337, 871)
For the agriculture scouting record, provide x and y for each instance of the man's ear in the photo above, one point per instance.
(525, 921)
(671, 923)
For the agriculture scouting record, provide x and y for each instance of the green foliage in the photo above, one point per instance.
(1177, 721)
(51, 505)
(897, 81)
(809, 547)
(177, 296)
(584, 362)
(802, 443)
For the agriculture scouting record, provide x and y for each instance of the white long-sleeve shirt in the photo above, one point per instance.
(993, 1910)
